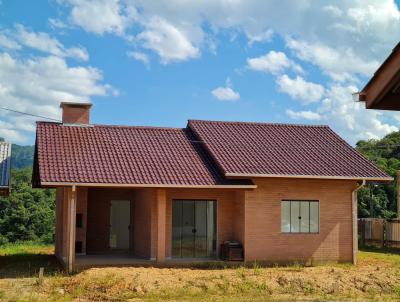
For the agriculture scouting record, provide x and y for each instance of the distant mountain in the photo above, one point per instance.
(21, 156)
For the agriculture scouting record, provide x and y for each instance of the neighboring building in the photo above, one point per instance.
(5, 168)
(383, 89)
(286, 192)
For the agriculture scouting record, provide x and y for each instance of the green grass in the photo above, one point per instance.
(380, 254)
(378, 271)
(27, 247)
(24, 259)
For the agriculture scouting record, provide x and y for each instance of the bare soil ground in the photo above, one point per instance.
(375, 278)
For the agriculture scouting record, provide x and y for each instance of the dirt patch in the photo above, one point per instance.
(371, 279)
(365, 281)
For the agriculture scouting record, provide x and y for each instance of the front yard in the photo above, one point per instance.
(376, 277)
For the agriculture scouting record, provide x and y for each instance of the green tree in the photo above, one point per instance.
(386, 154)
(27, 214)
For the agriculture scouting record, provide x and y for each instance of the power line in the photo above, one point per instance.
(378, 147)
(30, 114)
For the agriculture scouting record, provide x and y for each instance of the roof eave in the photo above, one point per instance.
(244, 175)
(116, 185)
(377, 92)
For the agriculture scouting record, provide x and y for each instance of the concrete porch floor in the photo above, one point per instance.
(82, 261)
(87, 261)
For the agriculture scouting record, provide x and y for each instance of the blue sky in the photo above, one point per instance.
(163, 62)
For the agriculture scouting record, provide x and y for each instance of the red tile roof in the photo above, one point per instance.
(123, 155)
(206, 153)
(262, 149)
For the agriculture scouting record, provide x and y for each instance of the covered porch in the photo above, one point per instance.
(145, 226)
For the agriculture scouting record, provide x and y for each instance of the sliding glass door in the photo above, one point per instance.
(193, 229)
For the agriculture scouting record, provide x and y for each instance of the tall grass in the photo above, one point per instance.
(26, 247)
(24, 259)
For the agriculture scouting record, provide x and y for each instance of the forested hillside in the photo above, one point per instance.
(21, 156)
(28, 214)
(386, 153)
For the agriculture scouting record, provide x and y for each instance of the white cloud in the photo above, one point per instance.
(339, 64)
(168, 41)
(57, 23)
(37, 86)
(101, 16)
(299, 89)
(306, 115)
(7, 42)
(366, 29)
(263, 37)
(225, 94)
(43, 42)
(139, 56)
(350, 118)
(346, 40)
(333, 10)
(274, 62)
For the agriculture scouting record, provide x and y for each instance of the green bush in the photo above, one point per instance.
(27, 214)
(386, 154)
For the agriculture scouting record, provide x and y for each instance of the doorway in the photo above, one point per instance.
(120, 221)
(194, 231)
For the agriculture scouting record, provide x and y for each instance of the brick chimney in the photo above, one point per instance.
(76, 113)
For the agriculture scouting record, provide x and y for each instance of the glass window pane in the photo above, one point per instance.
(188, 229)
(294, 216)
(285, 217)
(314, 217)
(201, 229)
(176, 228)
(305, 217)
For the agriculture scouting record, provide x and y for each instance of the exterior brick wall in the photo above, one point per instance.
(59, 223)
(252, 217)
(76, 114)
(143, 199)
(65, 218)
(264, 240)
(63, 195)
(81, 208)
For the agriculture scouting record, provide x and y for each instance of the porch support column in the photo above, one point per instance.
(70, 225)
(161, 200)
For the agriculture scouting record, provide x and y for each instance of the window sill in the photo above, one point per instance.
(300, 233)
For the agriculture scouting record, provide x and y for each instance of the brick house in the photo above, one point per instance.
(125, 194)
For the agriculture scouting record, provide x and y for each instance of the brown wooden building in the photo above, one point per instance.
(383, 89)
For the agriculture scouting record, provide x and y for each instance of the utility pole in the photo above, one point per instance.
(371, 201)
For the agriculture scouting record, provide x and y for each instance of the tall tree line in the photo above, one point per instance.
(377, 199)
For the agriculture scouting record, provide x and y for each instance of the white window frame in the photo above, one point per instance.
(309, 214)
